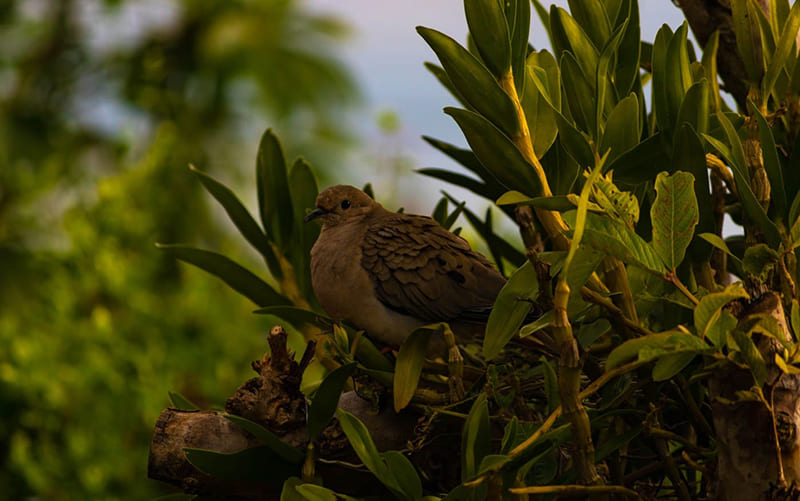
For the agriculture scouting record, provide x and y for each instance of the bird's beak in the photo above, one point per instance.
(314, 214)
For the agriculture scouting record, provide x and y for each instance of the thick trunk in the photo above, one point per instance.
(757, 448)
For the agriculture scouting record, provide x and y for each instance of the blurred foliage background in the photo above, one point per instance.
(103, 104)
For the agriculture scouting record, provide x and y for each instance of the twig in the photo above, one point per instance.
(576, 490)
(594, 297)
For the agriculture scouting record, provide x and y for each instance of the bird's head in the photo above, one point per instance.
(340, 203)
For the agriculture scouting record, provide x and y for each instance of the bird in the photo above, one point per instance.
(389, 273)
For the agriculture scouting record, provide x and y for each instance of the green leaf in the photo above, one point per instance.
(311, 492)
(238, 278)
(579, 93)
(720, 244)
(627, 68)
(688, 155)
(662, 105)
(247, 465)
(795, 318)
(539, 114)
(783, 50)
(178, 401)
(493, 462)
(303, 190)
(487, 25)
(365, 449)
(656, 346)
(615, 239)
(496, 152)
(622, 130)
(475, 439)
(473, 81)
(592, 17)
(468, 183)
(709, 61)
(588, 333)
(668, 366)
(326, 399)
(772, 163)
(574, 142)
(759, 260)
(748, 39)
(498, 246)
(679, 73)
(569, 37)
(674, 215)
(604, 90)
(751, 356)
(441, 75)
(468, 159)
(241, 217)
(708, 311)
(404, 473)
(719, 329)
(512, 305)
(630, 349)
(266, 437)
(518, 15)
(695, 107)
(643, 162)
(550, 386)
(540, 323)
(409, 366)
(274, 198)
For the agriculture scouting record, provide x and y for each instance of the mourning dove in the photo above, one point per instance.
(390, 273)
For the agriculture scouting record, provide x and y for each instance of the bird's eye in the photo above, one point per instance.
(345, 204)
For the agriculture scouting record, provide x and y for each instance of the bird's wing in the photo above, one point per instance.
(422, 270)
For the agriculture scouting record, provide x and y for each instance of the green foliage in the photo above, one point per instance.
(97, 324)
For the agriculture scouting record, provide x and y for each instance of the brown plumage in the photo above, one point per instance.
(389, 273)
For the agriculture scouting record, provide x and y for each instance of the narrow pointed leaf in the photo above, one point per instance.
(242, 219)
(441, 75)
(567, 35)
(709, 61)
(405, 474)
(592, 17)
(274, 199)
(409, 366)
(783, 50)
(511, 307)
(326, 399)
(772, 163)
(496, 152)
(473, 81)
(487, 25)
(539, 114)
(518, 16)
(475, 438)
(178, 401)
(627, 67)
(748, 39)
(622, 130)
(245, 465)
(237, 277)
(365, 449)
(285, 451)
